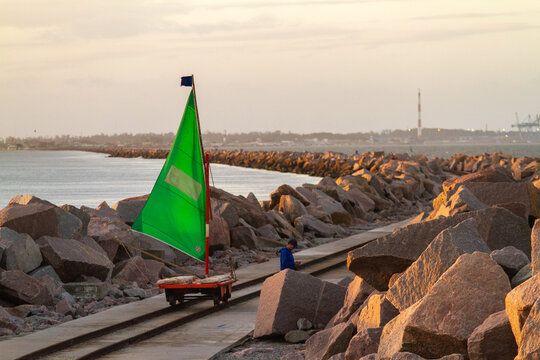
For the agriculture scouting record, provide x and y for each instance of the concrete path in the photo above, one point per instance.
(18, 346)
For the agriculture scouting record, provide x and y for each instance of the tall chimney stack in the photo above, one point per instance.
(419, 133)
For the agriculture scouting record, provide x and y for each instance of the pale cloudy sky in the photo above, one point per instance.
(85, 67)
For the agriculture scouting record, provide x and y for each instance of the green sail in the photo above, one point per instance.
(175, 211)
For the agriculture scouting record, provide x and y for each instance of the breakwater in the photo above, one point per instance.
(337, 164)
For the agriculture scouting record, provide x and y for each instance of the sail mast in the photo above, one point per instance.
(206, 163)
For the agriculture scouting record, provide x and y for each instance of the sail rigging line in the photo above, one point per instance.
(156, 257)
(134, 263)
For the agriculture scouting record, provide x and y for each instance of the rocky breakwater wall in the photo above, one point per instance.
(463, 283)
(62, 262)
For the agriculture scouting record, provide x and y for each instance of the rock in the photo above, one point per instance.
(81, 215)
(282, 225)
(269, 232)
(524, 274)
(312, 224)
(530, 344)
(243, 236)
(136, 269)
(286, 190)
(64, 307)
(227, 212)
(136, 292)
(37, 218)
(517, 208)
(462, 200)
(535, 245)
(54, 286)
(304, 324)
(219, 234)
(376, 312)
(328, 342)
(511, 259)
(290, 295)
(411, 356)
(253, 199)
(10, 322)
(20, 288)
(251, 213)
(378, 260)
(71, 259)
(440, 254)
(45, 270)
(494, 174)
(254, 351)
(20, 252)
(296, 336)
(129, 208)
(357, 292)
(442, 321)
(370, 357)
(90, 242)
(493, 339)
(291, 207)
(508, 192)
(519, 303)
(107, 232)
(337, 213)
(292, 356)
(340, 356)
(363, 343)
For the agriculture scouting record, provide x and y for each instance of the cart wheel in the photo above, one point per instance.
(227, 296)
(171, 300)
(180, 298)
(216, 300)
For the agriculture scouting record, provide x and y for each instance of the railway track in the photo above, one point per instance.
(98, 343)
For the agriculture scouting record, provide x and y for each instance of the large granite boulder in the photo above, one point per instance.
(311, 224)
(246, 209)
(107, 230)
(20, 288)
(35, 217)
(269, 232)
(363, 343)
(411, 356)
(19, 251)
(243, 236)
(129, 208)
(535, 247)
(139, 270)
(357, 292)
(440, 324)
(376, 312)
(329, 342)
(378, 260)
(337, 212)
(519, 303)
(275, 197)
(493, 339)
(219, 234)
(493, 174)
(462, 200)
(511, 259)
(504, 192)
(290, 295)
(227, 211)
(530, 342)
(72, 259)
(440, 254)
(291, 207)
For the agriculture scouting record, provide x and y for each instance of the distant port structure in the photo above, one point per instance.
(528, 128)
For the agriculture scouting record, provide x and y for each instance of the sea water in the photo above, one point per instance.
(85, 178)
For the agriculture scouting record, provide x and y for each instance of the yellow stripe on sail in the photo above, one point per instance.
(184, 183)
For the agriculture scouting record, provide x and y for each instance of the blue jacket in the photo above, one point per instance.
(286, 259)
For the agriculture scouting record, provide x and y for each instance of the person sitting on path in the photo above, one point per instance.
(286, 257)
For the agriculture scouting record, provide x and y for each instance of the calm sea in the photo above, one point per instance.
(83, 178)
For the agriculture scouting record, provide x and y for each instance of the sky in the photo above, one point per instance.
(113, 66)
